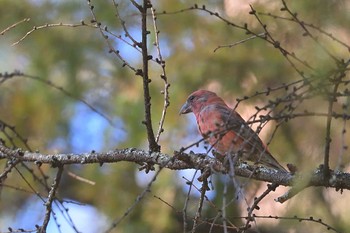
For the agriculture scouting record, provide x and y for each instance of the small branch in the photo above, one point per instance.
(332, 98)
(108, 42)
(301, 219)
(184, 210)
(6, 76)
(125, 29)
(290, 193)
(320, 30)
(250, 218)
(268, 38)
(224, 205)
(328, 133)
(139, 7)
(35, 28)
(13, 26)
(307, 32)
(136, 202)
(203, 190)
(344, 146)
(51, 198)
(82, 179)
(163, 76)
(61, 89)
(239, 42)
(8, 168)
(10, 138)
(153, 145)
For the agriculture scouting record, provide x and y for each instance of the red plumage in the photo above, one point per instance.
(226, 130)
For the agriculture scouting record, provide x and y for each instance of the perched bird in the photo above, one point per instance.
(226, 130)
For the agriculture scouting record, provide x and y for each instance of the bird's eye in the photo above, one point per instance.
(191, 98)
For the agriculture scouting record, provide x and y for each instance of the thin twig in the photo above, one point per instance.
(250, 218)
(184, 210)
(269, 38)
(163, 76)
(61, 89)
(109, 44)
(51, 198)
(320, 30)
(307, 32)
(136, 202)
(300, 219)
(344, 146)
(14, 25)
(239, 42)
(51, 25)
(224, 204)
(200, 204)
(82, 179)
(125, 29)
(331, 100)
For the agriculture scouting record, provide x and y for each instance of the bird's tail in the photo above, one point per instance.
(267, 159)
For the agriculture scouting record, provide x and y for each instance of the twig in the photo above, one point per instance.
(51, 198)
(250, 218)
(8, 168)
(239, 42)
(344, 146)
(163, 76)
(75, 176)
(35, 28)
(331, 101)
(136, 202)
(224, 204)
(61, 89)
(109, 44)
(184, 209)
(165, 202)
(14, 25)
(320, 30)
(300, 219)
(65, 213)
(203, 190)
(29, 185)
(268, 38)
(153, 145)
(4, 126)
(122, 22)
(307, 32)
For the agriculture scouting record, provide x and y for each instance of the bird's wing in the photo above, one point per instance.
(233, 121)
(232, 133)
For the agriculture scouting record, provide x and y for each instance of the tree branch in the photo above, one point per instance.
(153, 145)
(180, 161)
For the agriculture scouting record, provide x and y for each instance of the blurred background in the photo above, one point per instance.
(77, 59)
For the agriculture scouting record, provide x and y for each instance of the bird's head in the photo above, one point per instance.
(199, 99)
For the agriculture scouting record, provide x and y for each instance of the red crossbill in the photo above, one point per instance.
(225, 130)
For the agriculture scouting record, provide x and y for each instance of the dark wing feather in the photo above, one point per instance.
(253, 148)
